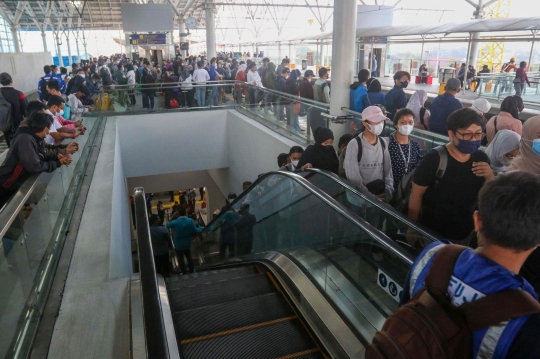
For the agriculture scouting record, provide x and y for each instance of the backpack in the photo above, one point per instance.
(341, 169)
(105, 76)
(400, 200)
(43, 87)
(430, 326)
(6, 121)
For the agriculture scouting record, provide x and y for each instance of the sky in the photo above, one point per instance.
(299, 22)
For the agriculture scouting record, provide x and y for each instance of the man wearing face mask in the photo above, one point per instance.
(58, 132)
(404, 152)
(443, 105)
(295, 154)
(367, 160)
(396, 98)
(445, 203)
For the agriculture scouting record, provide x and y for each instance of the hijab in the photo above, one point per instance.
(242, 67)
(373, 85)
(417, 101)
(528, 160)
(513, 105)
(503, 142)
(321, 157)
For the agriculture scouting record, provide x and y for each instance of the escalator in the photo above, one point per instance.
(348, 249)
(239, 312)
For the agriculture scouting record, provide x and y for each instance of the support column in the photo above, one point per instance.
(209, 10)
(44, 38)
(77, 45)
(472, 59)
(182, 31)
(84, 44)
(279, 52)
(70, 60)
(58, 52)
(529, 64)
(343, 40)
(16, 42)
(129, 48)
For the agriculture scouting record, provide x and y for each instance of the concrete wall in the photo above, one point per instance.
(25, 68)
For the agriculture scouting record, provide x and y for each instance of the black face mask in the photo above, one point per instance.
(404, 84)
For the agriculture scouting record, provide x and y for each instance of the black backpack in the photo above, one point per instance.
(341, 170)
(6, 121)
(105, 76)
(400, 200)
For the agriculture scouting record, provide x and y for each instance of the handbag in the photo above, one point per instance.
(296, 107)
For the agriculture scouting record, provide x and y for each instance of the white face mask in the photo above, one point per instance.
(405, 130)
(376, 129)
(505, 161)
(81, 75)
(295, 163)
(61, 113)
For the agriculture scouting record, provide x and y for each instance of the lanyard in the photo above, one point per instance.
(405, 160)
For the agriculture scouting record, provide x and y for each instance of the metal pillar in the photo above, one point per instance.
(343, 40)
(44, 38)
(315, 59)
(70, 60)
(321, 55)
(58, 52)
(473, 54)
(16, 42)
(129, 48)
(279, 51)
(182, 31)
(532, 50)
(78, 50)
(84, 44)
(209, 10)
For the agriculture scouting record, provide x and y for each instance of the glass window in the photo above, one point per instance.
(6, 37)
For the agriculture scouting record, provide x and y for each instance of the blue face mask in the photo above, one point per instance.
(536, 146)
(468, 147)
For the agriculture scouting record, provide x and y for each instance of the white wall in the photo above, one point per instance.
(173, 142)
(25, 68)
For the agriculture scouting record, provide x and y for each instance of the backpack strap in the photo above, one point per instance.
(443, 163)
(495, 124)
(440, 273)
(422, 114)
(359, 141)
(499, 307)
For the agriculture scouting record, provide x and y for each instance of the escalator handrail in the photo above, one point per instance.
(383, 206)
(340, 208)
(154, 324)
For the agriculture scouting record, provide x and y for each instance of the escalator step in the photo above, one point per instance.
(231, 315)
(172, 286)
(219, 292)
(223, 273)
(313, 355)
(268, 342)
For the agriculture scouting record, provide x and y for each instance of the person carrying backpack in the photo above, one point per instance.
(12, 107)
(460, 303)
(367, 160)
(105, 75)
(43, 94)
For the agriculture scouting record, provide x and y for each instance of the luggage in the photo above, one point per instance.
(173, 103)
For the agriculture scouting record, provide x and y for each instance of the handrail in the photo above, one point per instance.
(366, 195)
(338, 207)
(154, 325)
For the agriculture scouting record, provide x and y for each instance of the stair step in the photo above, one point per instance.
(221, 273)
(230, 315)
(174, 286)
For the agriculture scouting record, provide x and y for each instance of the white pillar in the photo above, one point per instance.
(69, 49)
(44, 38)
(58, 52)
(16, 42)
(209, 10)
(182, 31)
(129, 48)
(77, 46)
(343, 40)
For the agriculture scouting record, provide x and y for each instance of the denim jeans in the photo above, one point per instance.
(200, 96)
(148, 100)
(213, 100)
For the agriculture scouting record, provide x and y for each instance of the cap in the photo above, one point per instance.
(309, 73)
(373, 114)
(481, 105)
(232, 195)
(513, 59)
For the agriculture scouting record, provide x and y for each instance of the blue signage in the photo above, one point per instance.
(148, 39)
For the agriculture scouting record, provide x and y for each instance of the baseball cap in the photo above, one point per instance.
(232, 195)
(309, 73)
(481, 105)
(373, 114)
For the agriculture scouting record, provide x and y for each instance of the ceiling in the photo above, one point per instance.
(106, 15)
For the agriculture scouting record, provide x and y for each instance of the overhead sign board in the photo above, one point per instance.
(375, 40)
(148, 39)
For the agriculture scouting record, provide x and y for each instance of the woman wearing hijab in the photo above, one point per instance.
(528, 158)
(241, 77)
(188, 92)
(321, 155)
(507, 119)
(292, 89)
(421, 114)
(374, 96)
(502, 150)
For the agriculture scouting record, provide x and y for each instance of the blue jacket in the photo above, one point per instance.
(395, 101)
(474, 277)
(281, 84)
(441, 107)
(356, 96)
(47, 78)
(374, 98)
(183, 231)
(160, 240)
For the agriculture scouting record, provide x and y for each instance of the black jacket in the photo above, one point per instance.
(323, 158)
(18, 102)
(25, 157)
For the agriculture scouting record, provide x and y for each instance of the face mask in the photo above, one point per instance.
(295, 163)
(81, 75)
(536, 146)
(468, 147)
(505, 161)
(376, 129)
(61, 113)
(404, 84)
(405, 130)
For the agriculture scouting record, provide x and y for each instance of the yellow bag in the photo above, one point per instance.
(441, 88)
(473, 85)
(103, 102)
(489, 86)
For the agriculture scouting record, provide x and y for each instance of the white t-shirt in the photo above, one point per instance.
(201, 75)
(131, 77)
(54, 126)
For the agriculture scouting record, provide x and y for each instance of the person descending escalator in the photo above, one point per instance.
(184, 229)
(321, 155)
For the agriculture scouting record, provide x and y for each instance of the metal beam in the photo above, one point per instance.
(188, 6)
(472, 3)
(276, 5)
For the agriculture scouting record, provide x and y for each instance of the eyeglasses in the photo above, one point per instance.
(467, 136)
